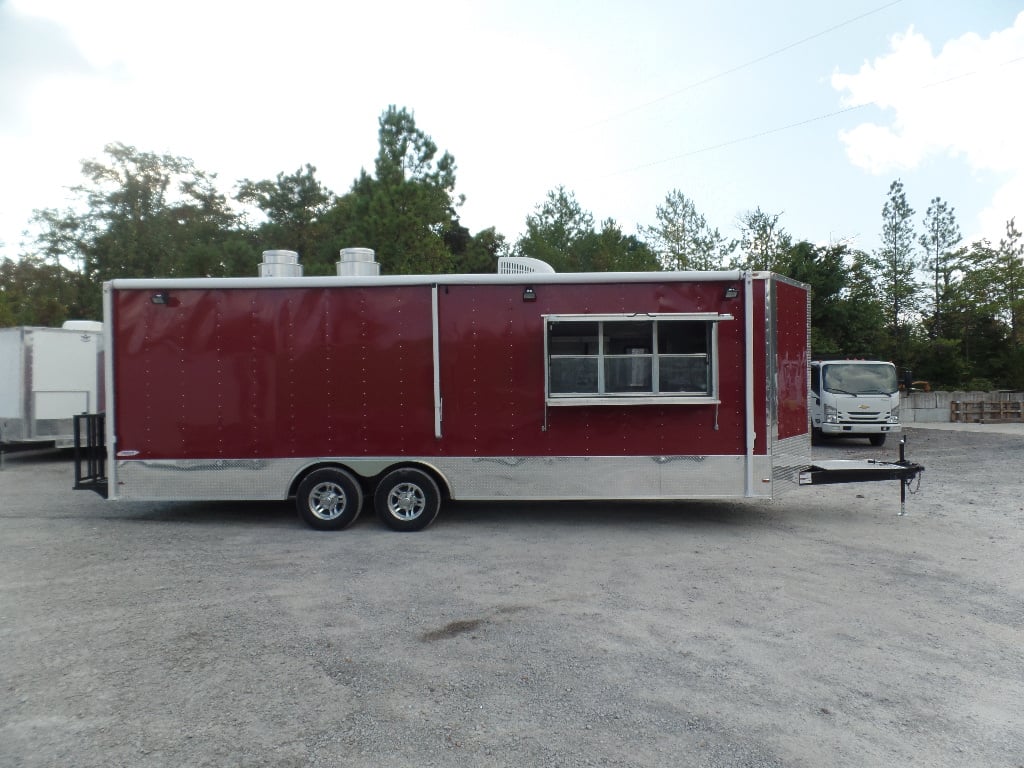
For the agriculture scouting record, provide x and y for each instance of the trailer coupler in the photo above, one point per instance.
(856, 471)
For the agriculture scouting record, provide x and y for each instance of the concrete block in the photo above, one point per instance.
(929, 415)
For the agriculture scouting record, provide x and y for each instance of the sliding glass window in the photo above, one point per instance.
(634, 358)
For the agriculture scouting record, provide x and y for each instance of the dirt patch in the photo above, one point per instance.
(451, 629)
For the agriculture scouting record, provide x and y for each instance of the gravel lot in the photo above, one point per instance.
(818, 630)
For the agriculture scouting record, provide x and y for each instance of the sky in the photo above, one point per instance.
(804, 109)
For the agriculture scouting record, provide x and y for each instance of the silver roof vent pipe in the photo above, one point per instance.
(280, 264)
(358, 262)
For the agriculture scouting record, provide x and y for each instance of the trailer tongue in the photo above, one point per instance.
(833, 471)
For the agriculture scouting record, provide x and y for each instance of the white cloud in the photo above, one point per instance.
(962, 102)
(250, 88)
(31, 51)
(1006, 205)
(521, 94)
(880, 150)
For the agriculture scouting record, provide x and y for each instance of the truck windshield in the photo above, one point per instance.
(860, 379)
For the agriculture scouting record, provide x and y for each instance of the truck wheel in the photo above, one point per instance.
(407, 500)
(816, 436)
(877, 440)
(329, 499)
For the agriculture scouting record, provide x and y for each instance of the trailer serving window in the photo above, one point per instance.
(631, 359)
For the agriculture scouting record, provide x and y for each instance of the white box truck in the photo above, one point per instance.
(854, 398)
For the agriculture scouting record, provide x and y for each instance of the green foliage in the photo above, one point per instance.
(940, 238)
(611, 251)
(1008, 274)
(555, 230)
(846, 317)
(986, 309)
(296, 208)
(823, 269)
(140, 214)
(562, 234)
(864, 326)
(937, 361)
(405, 210)
(682, 238)
(477, 254)
(977, 385)
(894, 267)
(34, 291)
(764, 245)
(1012, 366)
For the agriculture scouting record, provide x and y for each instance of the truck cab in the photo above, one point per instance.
(854, 398)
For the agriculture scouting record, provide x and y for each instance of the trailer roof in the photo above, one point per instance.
(471, 279)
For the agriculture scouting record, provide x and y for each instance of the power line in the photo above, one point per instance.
(744, 65)
(788, 126)
(739, 140)
(972, 73)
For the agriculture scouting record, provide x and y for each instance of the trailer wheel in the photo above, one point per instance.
(877, 440)
(329, 499)
(407, 499)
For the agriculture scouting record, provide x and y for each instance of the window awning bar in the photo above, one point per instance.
(641, 317)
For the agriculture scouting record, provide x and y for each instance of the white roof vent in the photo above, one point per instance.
(92, 326)
(522, 265)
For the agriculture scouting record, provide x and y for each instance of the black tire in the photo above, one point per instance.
(877, 440)
(329, 499)
(407, 499)
(817, 438)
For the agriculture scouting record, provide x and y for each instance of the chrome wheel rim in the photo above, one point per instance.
(406, 501)
(327, 501)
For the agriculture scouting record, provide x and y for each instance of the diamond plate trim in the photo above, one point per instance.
(468, 478)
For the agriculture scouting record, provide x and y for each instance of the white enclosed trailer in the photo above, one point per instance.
(47, 376)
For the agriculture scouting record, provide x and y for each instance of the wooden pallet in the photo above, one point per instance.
(1003, 412)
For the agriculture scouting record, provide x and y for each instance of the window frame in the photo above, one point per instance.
(710, 397)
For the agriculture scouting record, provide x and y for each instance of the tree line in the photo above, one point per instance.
(953, 313)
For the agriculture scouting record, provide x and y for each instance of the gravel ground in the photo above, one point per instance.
(818, 630)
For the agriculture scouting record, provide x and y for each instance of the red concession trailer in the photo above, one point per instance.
(403, 391)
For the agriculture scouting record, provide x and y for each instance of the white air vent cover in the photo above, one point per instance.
(522, 265)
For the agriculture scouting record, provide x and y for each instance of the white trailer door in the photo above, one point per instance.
(63, 378)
